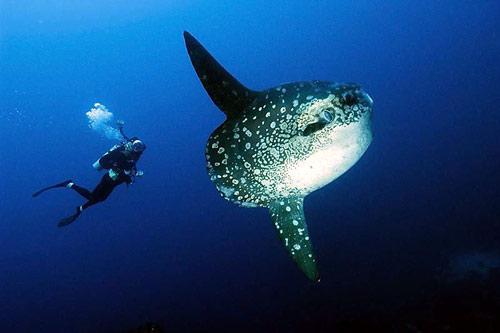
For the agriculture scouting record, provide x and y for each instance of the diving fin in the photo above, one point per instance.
(287, 215)
(70, 219)
(63, 184)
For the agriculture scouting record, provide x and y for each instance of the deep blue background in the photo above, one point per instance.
(169, 249)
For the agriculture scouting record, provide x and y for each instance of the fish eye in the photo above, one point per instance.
(349, 99)
(325, 116)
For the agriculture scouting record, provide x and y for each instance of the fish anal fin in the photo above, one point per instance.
(287, 214)
(230, 96)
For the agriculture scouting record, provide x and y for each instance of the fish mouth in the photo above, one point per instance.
(365, 99)
(354, 94)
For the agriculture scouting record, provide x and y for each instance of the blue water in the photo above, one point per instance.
(168, 249)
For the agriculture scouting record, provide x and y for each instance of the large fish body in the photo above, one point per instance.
(277, 146)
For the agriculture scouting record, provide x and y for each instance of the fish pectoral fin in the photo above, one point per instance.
(287, 215)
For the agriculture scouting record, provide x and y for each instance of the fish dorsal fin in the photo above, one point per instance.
(230, 96)
(287, 215)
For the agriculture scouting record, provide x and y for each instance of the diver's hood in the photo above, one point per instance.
(138, 146)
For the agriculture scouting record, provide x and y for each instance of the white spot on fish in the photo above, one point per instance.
(265, 182)
(227, 191)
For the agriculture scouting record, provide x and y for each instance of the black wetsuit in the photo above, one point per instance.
(122, 162)
(102, 190)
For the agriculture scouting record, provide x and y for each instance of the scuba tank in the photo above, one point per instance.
(105, 161)
(97, 165)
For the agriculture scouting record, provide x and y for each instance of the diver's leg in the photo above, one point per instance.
(88, 204)
(103, 189)
(80, 190)
(100, 193)
(91, 200)
(63, 184)
(70, 219)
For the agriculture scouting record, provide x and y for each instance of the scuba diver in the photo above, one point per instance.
(120, 161)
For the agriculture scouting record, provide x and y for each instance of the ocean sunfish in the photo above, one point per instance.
(278, 145)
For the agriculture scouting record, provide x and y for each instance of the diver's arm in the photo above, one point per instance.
(123, 134)
(136, 172)
(133, 172)
(120, 124)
